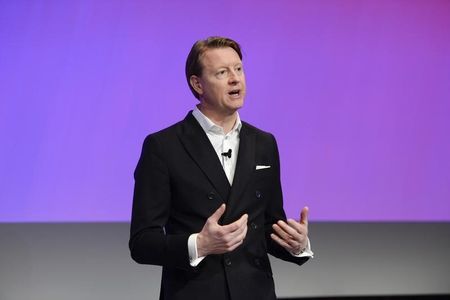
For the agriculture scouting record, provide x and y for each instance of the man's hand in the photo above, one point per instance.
(293, 235)
(217, 239)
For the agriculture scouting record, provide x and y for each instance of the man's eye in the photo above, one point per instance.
(221, 74)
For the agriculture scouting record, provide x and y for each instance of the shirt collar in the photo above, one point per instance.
(209, 126)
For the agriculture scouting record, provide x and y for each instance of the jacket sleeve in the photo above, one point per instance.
(149, 243)
(275, 212)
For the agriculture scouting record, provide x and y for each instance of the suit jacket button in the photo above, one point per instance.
(211, 196)
(253, 225)
(258, 194)
(227, 261)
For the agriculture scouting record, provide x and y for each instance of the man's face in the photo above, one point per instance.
(222, 84)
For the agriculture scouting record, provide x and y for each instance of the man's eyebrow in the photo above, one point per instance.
(232, 64)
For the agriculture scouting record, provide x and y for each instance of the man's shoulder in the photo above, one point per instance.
(173, 129)
(170, 130)
(251, 129)
(164, 134)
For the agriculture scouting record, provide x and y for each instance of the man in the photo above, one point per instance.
(207, 202)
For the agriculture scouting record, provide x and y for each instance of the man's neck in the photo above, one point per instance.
(226, 121)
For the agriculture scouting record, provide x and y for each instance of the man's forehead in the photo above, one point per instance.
(219, 56)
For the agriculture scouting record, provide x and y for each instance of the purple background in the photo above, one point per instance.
(357, 93)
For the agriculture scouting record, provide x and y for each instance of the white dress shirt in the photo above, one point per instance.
(223, 142)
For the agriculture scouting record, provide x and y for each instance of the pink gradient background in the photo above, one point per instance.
(356, 92)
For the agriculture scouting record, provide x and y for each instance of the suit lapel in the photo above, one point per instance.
(202, 152)
(245, 165)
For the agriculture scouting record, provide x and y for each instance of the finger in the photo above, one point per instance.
(241, 230)
(240, 236)
(244, 233)
(236, 225)
(218, 213)
(300, 228)
(242, 220)
(290, 236)
(298, 233)
(235, 245)
(281, 232)
(304, 216)
(281, 242)
(230, 233)
(291, 246)
(237, 240)
(289, 229)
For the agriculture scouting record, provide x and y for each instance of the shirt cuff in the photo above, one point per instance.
(307, 252)
(194, 260)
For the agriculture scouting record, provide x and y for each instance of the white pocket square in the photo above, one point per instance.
(260, 167)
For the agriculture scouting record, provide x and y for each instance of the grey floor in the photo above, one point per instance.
(91, 261)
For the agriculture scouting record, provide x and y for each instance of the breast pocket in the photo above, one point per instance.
(263, 175)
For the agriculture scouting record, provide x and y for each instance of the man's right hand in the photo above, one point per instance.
(217, 239)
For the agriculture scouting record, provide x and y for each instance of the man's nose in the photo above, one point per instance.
(234, 77)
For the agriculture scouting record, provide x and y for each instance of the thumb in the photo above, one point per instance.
(304, 216)
(218, 213)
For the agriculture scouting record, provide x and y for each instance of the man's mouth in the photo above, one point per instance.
(234, 93)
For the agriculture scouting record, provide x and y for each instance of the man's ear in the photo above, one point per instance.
(196, 84)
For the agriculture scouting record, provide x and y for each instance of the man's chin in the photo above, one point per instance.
(235, 108)
(236, 103)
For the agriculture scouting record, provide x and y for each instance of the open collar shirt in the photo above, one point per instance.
(222, 142)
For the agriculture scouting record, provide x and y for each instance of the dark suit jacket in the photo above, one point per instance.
(179, 183)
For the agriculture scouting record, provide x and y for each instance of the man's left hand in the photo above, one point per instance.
(292, 235)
